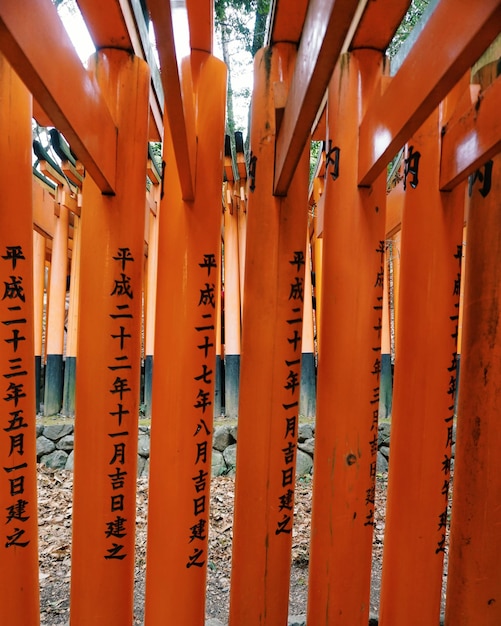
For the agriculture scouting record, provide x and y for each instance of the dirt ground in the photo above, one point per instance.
(55, 491)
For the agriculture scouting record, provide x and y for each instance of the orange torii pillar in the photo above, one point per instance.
(151, 298)
(231, 309)
(219, 371)
(424, 387)
(109, 358)
(241, 185)
(70, 362)
(189, 259)
(307, 403)
(349, 362)
(474, 575)
(271, 365)
(54, 366)
(38, 298)
(19, 595)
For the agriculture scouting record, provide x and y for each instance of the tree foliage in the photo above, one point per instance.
(240, 29)
(411, 18)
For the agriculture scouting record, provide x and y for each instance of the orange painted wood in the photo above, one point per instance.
(178, 91)
(424, 387)
(189, 258)
(38, 288)
(242, 240)
(201, 21)
(232, 332)
(428, 73)
(73, 307)
(473, 139)
(151, 282)
(109, 352)
(270, 366)
(325, 28)
(19, 595)
(287, 21)
(308, 344)
(119, 24)
(349, 362)
(378, 24)
(318, 264)
(57, 286)
(474, 577)
(57, 86)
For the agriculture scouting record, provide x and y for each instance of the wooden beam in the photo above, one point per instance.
(379, 22)
(287, 20)
(201, 19)
(472, 139)
(325, 28)
(121, 24)
(457, 32)
(177, 85)
(50, 68)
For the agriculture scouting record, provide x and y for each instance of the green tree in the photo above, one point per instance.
(411, 18)
(241, 29)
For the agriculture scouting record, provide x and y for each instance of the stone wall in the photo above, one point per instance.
(55, 448)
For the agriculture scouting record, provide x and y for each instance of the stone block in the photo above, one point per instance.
(307, 446)
(230, 456)
(304, 432)
(222, 438)
(143, 445)
(304, 463)
(56, 431)
(218, 464)
(70, 461)
(66, 443)
(381, 463)
(44, 446)
(56, 459)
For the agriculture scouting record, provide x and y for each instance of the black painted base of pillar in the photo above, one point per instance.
(53, 396)
(70, 366)
(385, 387)
(219, 388)
(38, 382)
(148, 382)
(308, 397)
(232, 385)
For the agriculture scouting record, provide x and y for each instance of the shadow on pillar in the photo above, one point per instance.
(308, 388)
(54, 377)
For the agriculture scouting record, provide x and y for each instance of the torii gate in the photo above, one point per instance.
(323, 55)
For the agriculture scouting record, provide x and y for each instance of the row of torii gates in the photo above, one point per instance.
(322, 76)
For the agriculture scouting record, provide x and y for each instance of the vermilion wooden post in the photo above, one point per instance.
(151, 297)
(308, 367)
(317, 265)
(38, 298)
(270, 368)
(232, 329)
(109, 352)
(183, 384)
(424, 387)
(53, 396)
(474, 576)
(70, 362)
(349, 360)
(19, 596)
